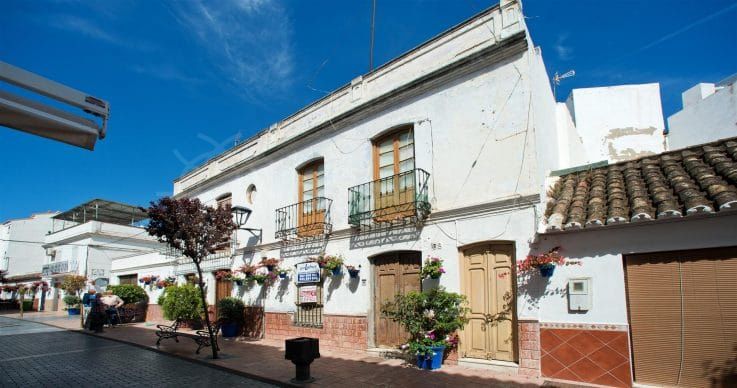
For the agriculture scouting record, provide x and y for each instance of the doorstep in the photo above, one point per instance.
(386, 353)
(505, 367)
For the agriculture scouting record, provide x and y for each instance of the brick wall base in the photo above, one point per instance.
(529, 348)
(338, 332)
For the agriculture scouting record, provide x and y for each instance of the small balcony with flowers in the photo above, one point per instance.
(396, 200)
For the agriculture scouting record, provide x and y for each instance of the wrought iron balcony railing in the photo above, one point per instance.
(219, 260)
(310, 218)
(397, 199)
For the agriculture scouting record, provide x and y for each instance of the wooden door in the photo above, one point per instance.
(223, 289)
(394, 273)
(312, 206)
(394, 186)
(487, 282)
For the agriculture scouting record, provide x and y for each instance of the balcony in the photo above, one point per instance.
(304, 220)
(184, 265)
(394, 200)
(60, 267)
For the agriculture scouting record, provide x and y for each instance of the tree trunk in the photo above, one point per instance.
(22, 296)
(207, 316)
(81, 313)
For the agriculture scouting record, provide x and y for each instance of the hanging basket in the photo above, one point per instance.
(546, 270)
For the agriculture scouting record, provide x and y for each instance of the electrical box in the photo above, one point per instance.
(579, 294)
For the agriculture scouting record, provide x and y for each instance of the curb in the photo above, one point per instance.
(180, 357)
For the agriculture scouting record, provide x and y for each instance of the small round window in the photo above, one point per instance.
(251, 194)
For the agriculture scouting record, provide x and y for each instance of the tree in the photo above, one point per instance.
(196, 231)
(73, 285)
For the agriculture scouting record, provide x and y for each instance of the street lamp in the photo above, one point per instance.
(241, 214)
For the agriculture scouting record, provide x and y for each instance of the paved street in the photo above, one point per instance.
(32, 354)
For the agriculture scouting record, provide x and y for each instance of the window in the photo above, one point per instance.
(309, 314)
(394, 165)
(191, 278)
(225, 200)
(251, 194)
(312, 198)
(128, 279)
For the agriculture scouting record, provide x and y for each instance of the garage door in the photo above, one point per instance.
(683, 317)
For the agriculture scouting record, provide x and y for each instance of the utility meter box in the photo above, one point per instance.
(579, 294)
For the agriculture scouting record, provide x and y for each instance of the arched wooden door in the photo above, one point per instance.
(394, 273)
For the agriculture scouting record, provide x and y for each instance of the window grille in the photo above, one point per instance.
(309, 314)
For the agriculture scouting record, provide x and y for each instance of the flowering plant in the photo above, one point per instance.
(269, 263)
(551, 258)
(432, 268)
(431, 318)
(333, 262)
(248, 269)
(222, 275)
(320, 260)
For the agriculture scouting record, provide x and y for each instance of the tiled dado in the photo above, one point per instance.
(596, 354)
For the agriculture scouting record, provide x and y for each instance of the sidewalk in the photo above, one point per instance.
(334, 369)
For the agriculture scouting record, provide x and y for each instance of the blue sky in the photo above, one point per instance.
(186, 79)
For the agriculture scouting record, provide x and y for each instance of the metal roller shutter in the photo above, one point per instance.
(683, 317)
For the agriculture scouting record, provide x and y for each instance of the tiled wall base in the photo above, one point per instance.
(586, 355)
(154, 313)
(529, 348)
(339, 332)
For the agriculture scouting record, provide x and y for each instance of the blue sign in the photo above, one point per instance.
(308, 273)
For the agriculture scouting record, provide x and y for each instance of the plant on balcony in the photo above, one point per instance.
(432, 318)
(353, 271)
(432, 268)
(545, 263)
(197, 231)
(334, 264)
(230, 313)
(270, 263)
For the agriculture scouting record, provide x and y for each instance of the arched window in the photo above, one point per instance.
(251, 194)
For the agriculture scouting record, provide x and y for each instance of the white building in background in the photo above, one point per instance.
(21, 251)
(86, 239)
(612, 123)
(709, 113)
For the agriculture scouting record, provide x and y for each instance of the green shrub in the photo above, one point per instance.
(431, 318)
(72, 300)
(182, 302)
(130, 293)
(231, 310)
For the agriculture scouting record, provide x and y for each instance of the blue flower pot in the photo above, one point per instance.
(337, 271)
(434, 362)
(282, 275)
(73, 311)
(229, 330)
(547, 270)
(239, 282)
(353, 273)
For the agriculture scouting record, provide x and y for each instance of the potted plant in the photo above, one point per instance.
(320, 260)
(283, 272)
(334, 264)
(230, 313)
(248, 270)
(353, 271)
(432, 319)
(146, 280)
(545, 262)
(270, 264)
(72, 302)
(432, 268)
(223, 275)
(233, 277)
(184, 303)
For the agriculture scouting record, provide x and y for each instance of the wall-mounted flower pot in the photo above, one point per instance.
(270, 267)
(282, 275)
(229, 330)
(547, 270)
(434, 362)
(260, 282)
(353, 273)
(239, 282)
(435, 277)
(337, 271)
(73, 311)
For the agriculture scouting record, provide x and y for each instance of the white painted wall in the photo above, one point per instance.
(708, 114)
(24, 258)
(618, 123)
(601, 251)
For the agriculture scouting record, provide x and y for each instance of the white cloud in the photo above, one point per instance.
(564, 52)
(248, 40)
(92, 30)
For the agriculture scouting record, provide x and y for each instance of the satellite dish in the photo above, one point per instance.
(44, 120)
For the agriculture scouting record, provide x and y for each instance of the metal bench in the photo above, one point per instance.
(200, 337)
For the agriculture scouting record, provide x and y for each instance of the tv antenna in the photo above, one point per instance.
(558, 77)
